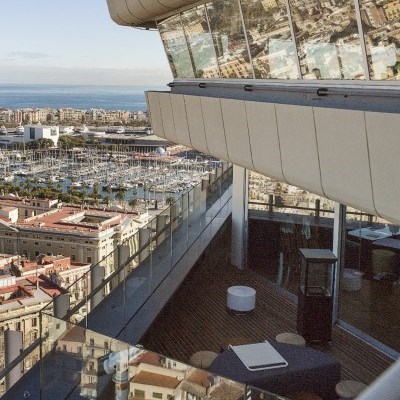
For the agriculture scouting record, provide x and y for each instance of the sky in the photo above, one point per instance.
(76, 42)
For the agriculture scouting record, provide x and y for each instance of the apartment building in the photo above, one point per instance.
(34, 227)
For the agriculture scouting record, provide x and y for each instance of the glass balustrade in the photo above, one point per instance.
(114, 291)
(81, 363)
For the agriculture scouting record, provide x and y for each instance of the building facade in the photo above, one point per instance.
(37, 226)
(305, 94)
(35, 132)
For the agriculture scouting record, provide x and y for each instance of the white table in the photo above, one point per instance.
(371, 233)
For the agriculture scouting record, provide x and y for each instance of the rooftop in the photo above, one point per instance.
(196, 318)
(150, 378)
(33, 295)
(64, 219)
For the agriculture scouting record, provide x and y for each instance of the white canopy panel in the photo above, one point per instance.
(142, 13)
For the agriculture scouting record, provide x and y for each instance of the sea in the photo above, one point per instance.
(82, 97)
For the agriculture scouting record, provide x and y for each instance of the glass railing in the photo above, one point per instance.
(116, 289)
(82, 364)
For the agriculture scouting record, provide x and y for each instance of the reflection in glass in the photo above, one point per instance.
(370, 277)
(282, 220)
(268, 32)
(200, 43)
(175, 45)
(327, 39)
(381, 23)
(229, 39)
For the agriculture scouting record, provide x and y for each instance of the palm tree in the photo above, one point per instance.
(133, 202)
(170, 200)
(95, 192)
(121, 194)
(28, 185)
(107, 199)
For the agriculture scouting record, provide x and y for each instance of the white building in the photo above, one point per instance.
(34, 132)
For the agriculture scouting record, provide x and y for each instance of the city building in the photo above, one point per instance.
(21, 300)
(40, 226)
(35, 132)
(47, 271)
(140, 143)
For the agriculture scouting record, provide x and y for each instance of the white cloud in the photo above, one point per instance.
(26, 55)
(80, 76)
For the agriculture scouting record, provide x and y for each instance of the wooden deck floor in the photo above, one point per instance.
(197, 319)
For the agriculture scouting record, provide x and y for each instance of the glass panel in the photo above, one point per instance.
(229, 39)
(283, 219)
(272, 49)
(369, 296)
(175, 45)
(200, 43)
(327, 39)
(85, 364)
(380, 21)
(126, 283)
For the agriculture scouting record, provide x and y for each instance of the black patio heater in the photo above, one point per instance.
(315, 300)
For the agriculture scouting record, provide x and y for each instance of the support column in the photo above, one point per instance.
(144, 241)
(185, 206)
(97, 274)
(239, 217)
(161, 223)
(61, 305)
(123, 257)
(338, 250)
(211, 177)
(12, 349)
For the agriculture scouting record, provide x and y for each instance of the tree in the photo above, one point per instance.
(40, 144)
(121, 194)
(95, 192)
(133, 202)
(107, 199)
(170, 200)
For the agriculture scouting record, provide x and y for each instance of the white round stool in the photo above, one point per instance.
(290, 338)
(241, 298)
(348, 390)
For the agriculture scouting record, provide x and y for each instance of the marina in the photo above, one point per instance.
(142, 176)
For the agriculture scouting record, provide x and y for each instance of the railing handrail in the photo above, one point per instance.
(112, 275)
(177, 262)
(269, 204)
(123, 265)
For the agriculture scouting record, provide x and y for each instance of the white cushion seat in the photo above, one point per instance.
(241, 298)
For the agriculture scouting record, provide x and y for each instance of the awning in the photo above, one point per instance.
(143, 13)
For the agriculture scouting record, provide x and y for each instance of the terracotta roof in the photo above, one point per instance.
(147, 357)
(200, 378)
(150, 378)
(8, 289)
(53, 220)
(76, 334)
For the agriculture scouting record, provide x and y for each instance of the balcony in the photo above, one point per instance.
(197, 318)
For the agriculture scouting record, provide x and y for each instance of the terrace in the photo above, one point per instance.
(196, 318)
